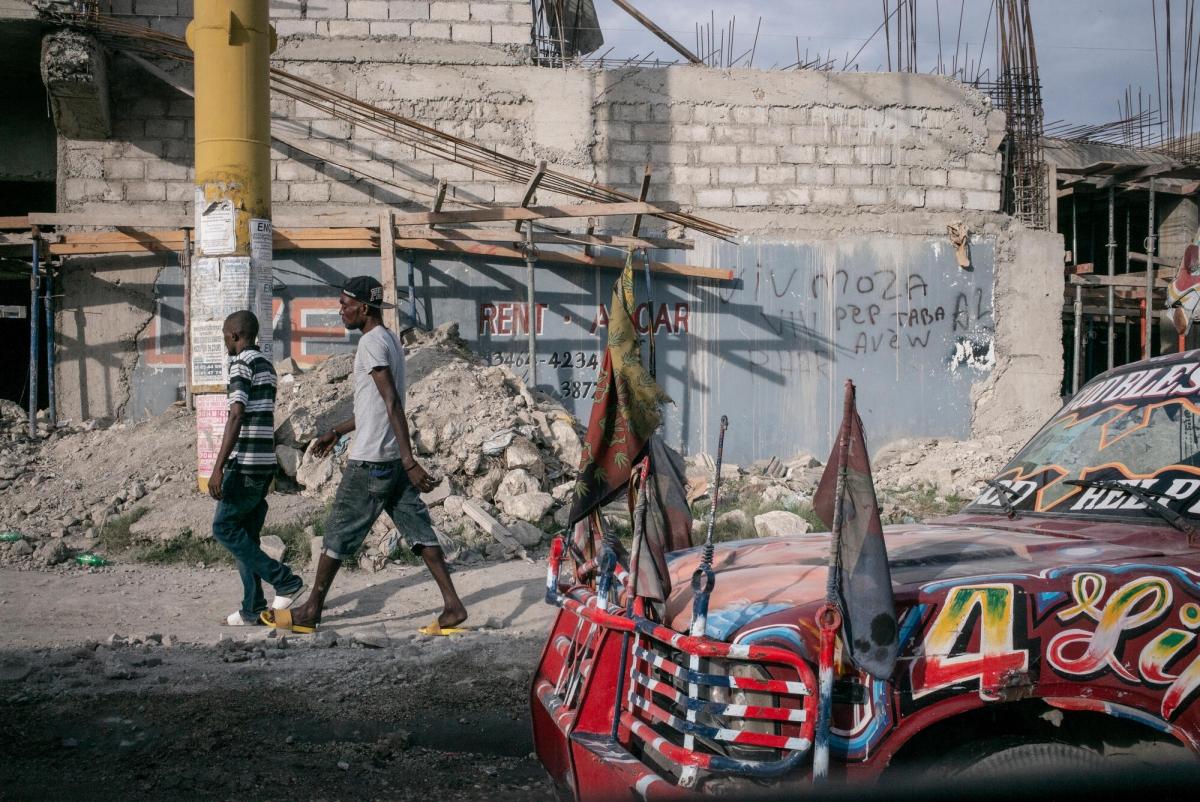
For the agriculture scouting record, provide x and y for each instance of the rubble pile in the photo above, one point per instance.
(955, 468)
(507, 456)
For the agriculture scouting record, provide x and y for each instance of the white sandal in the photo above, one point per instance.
(236, 619)
(284, 602)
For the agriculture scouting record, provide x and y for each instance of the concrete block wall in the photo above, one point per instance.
(807, 142)
(489, 22)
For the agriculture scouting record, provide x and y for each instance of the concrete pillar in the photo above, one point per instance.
(1177, 229)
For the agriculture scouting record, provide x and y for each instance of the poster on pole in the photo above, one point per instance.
(218, 228)
(262, 240)
(211, 413)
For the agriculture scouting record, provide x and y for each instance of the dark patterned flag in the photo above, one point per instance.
(625, 409)
(861, 580)
(662, 520)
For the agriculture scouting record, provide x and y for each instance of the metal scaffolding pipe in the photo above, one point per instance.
(1077, 339)
(48, 308)
(1112, 263)
(531, 305)
(1151, 241)
(35, 290)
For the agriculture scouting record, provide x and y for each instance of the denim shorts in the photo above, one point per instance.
(366, 490)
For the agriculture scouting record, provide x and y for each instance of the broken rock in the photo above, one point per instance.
(523, 454)
(526, 534)
(779, 523)
(273, 546)
(517, 482)
(527, 506)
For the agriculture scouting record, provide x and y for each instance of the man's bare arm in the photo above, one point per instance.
(395, 412)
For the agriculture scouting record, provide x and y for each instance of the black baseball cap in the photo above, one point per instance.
(367, 290)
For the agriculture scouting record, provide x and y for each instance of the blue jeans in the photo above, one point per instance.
(237, 525)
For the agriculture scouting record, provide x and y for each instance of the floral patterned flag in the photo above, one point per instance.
(625, 409)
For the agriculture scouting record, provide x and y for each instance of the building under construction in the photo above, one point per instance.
(792, 228)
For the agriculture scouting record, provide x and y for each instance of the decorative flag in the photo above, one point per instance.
(625, 408)
(860, 582)
(662, 520)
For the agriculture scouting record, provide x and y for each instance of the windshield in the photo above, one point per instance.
(1139, 425)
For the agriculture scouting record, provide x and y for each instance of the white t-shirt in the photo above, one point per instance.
(374, 440)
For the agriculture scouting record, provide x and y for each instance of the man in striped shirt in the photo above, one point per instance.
(244, 468)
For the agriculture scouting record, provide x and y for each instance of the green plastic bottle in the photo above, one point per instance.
(89, 559)
(10, 537)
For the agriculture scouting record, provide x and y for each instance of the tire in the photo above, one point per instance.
(1009, 758)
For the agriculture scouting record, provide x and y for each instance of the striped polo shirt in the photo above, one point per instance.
(252, 383)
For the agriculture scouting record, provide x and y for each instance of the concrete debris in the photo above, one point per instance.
(374, 636)
(954, 467)
(779, 523)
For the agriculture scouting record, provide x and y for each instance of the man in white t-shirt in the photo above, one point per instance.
(381, 474)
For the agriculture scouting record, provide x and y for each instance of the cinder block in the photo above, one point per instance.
(697, 176)
(743, 176)
(712, 114)
(907, 196)
(718, 154)
(868, 196)
(814, 175)
(279, 191)
(983, 201)
(791, 196)
(872, 154)
(156, 8)
(926, 177)
(798, 154)
(812, 135)
(148, 107)
(120, 7)
(714, 198)
(447, 10)
(941, 198)
(732, 135)
(690, 133)
(751, 196)
(652, 132)
(282, 9)
(771, 135)
(349, 192)
(965, 179)
(669, 154)
(622, 152)
(490, 12)
(984, 162)
(391, 28)
(167, 171)
(758, 154)
(165, 127)
(776, 174)
(452, 172)
(293, 171)
(145, 191)
(408, 10)
(784, 115)
(617, 132)
(326, 9)
(348, 28)
(179, 191)
(510, 34)
(295, 27)
(830, 196)
(330, 129)
(631, 112)
(835, 154)
(750, 115)
(677, 113)
(309, 193)
(886, 176)
(124, 168)
(852, 176)
(367, 9)
(480, 32)
(520, 13)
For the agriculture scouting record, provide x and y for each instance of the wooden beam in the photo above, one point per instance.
(531, 187)
(1130, 280)
(440, 196)
(625, 6)
(645, 190)
(591, 229)
(387, 269)
(364, 218)
(498, 251)
(20, 222)
(504, 235)
(1158, 260)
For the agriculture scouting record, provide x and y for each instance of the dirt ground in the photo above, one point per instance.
(219, 713)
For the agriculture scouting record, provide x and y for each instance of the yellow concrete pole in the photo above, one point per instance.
(232, 41)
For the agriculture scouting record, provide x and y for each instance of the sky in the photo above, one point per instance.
(1089, 51)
